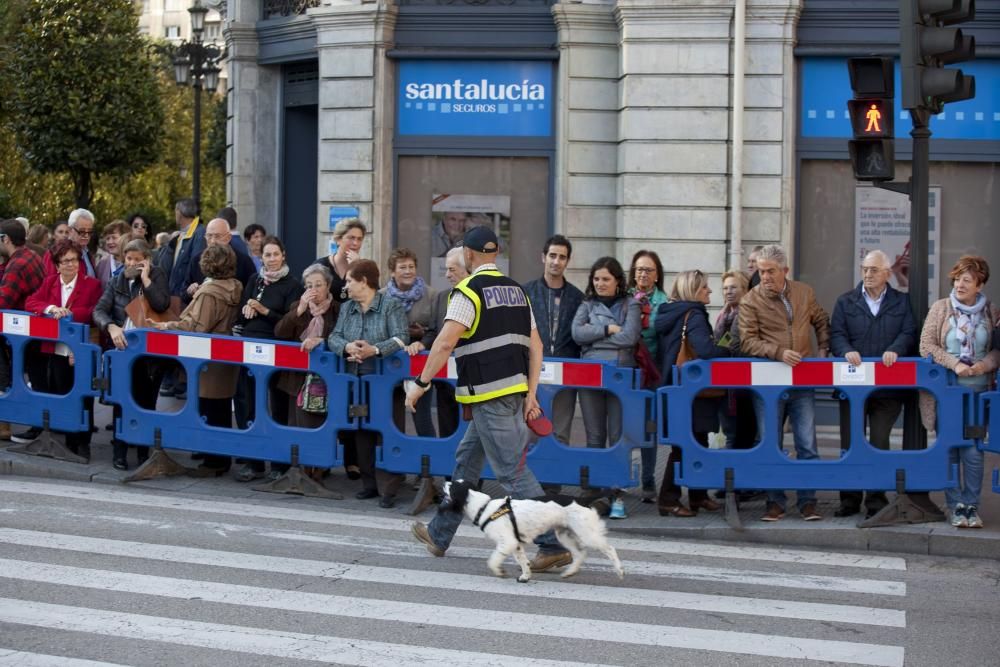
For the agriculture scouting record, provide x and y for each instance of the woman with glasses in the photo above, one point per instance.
(140, 229)
(66, 293)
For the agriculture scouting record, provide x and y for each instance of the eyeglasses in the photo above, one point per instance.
(83, 232)
(69, 260)
(643, 269)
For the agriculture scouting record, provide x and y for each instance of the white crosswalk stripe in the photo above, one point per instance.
(296, 584)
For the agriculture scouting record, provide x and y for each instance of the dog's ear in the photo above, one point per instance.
(459, 494)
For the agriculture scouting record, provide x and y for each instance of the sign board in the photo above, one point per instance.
(882, 222)
(454, 214)
(338, 213)
(475, 98)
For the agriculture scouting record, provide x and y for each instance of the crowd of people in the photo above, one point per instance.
(205, 278)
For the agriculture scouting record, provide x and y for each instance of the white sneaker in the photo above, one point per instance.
(972, 517)
(958, 517)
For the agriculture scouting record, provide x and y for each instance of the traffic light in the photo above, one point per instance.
(872, 149)
(926, 45)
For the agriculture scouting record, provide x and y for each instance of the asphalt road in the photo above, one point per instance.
(97, 574)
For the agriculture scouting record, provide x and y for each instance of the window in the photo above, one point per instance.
(172, 32)
(213, 32)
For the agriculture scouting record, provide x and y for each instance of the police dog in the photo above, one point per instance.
(512, 523)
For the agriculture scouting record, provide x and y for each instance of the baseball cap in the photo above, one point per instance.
(481, 239)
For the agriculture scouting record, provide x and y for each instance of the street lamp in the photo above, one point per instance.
(196, 65)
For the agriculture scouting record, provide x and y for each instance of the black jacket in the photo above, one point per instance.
(110, 308)
(277, 297)
(853, 328)
(564, 345)
(246, 270)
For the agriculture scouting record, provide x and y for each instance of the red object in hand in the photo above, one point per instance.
(540, 425)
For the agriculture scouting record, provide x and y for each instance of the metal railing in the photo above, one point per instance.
(277, 8)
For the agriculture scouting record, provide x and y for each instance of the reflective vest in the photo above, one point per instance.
(492, 356)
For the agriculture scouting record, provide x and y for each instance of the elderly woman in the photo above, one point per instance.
(139, 277)
(645, 285)
(739, 423)
(685, 319)
(348, 237)
(266, 299)
(309, 321)
(213, 310)
(958, 334)
(113, 239)
(418, 299)
(607, 325)
(371, 324)
(66, 293)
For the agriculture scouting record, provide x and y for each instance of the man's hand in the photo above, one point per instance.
(853, 358)
(117, 336)
(531, 407)
(791, 357)
(889, 358)
(613, 329)
(414, 348)
(413, 394)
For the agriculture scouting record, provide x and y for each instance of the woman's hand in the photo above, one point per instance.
(978, 368)
(117, 336)
(307, 297)
(254, 308)
(414, 348)
(71, 359)
(351, 256)
(963, 370)
(613, 329)
(59, 313)
(162, 326)
(309, 344)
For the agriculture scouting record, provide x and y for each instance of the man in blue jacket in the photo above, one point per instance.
(872, 320)
(555, 301)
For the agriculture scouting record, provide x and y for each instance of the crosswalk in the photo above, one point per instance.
(124, 576)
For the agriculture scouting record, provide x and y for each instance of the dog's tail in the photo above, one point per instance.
(590, 532)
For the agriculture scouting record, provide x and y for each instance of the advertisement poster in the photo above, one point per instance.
(882, 222)
(453, 215)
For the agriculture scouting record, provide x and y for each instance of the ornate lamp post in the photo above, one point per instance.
(196, 65)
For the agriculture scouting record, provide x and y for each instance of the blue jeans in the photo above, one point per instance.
(801, 409)
(497, 433)
(969, 486)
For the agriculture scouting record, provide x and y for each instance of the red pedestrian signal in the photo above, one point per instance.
(872, 149)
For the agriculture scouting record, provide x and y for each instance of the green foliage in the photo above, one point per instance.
(84, 98)
(215, 152)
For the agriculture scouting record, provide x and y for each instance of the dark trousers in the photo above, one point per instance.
(217, 412)
(147, 374)
(670, 493)
(881, 412)
(58, 379)
(447, 409)
(245, 409)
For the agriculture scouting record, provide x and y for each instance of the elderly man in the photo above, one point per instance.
(81, 230)
(219, 233)
(872, 320)
(175, 258)
(777, 319)
(447, 406)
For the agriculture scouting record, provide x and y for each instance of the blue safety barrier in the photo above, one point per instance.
(989, 401)
(861, 467)
(21, 404)
(264, 439)
(551, 461)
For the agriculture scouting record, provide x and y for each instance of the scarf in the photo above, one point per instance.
(967, 318)
(273, 276)
(410, 296)
(724, 322)
(645, 307)
(315, 327)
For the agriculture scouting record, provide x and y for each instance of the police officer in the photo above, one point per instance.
(490, 328)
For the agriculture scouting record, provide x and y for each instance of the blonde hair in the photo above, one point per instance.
(741, 278)
(687, 284)
(346, 225)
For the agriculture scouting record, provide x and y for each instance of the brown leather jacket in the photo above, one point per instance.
(766, 332)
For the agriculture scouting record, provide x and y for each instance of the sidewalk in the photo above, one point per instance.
(937, 539)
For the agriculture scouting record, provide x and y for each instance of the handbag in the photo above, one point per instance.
(686, 353)
(141, 313)
(644, 360)
(312, 396)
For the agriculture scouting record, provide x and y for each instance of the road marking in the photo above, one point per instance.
(100, 493)
(482, 620)
(25, 659)
(260, 641)
(833, 613)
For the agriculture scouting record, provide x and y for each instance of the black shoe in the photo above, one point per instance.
(387, 502)
(366, 494)
(26, 437)
(166, 390)
(872, 511)
(119, 464)
(847, 510)
(109, 427)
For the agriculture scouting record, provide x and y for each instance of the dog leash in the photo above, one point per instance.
(505, 510)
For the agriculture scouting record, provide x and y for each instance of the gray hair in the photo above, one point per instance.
(137, 245)
(23, 221)
(321, 270)
(457, 251)
(187, 208)
(348, 224)
(773, 253)
(879, 257)
(77, 214)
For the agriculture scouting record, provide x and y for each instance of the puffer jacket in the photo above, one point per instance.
(110, 308)
(590, 327)
(764, 327)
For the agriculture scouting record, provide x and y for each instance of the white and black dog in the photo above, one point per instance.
(512, 523)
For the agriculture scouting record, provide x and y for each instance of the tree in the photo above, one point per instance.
(84, 95)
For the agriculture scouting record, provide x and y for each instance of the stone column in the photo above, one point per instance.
(586, 154)
(356, 103)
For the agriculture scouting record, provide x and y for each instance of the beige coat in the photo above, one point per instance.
(765, 330)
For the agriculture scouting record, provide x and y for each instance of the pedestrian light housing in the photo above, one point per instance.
(872, 148)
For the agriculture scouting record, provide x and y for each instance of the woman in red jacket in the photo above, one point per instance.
(66, 293)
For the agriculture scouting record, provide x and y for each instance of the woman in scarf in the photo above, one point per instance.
(348, 237)
(265, 301)
(958, 333)
(739, 423)
(418, 301)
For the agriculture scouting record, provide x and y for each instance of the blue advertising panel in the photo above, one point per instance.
(475, 98)
(826, 87)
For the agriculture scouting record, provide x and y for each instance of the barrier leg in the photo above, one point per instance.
(49, 446)
(732, 506)
(427, 491)
(297, 482)
(159, 464)
(904, 508)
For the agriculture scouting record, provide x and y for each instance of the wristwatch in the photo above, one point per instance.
(420, 383)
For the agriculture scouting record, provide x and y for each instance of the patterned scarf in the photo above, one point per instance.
(410, 296)
(317, 310)
(724, 322)
(273, 276)
(967, 318)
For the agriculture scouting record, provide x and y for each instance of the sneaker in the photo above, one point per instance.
(618, 509)
(774, 513)
(972, 514)
(248, 474)
(809, 513)
(958, 517)
(26, 437)
(649, 493)
(419, 531)
(545, 562)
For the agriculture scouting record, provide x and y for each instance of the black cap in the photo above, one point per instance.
(481, 239)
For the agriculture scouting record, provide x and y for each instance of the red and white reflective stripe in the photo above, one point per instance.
(236, 350)
(553, 372)
(17, 324)
(813, 373)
